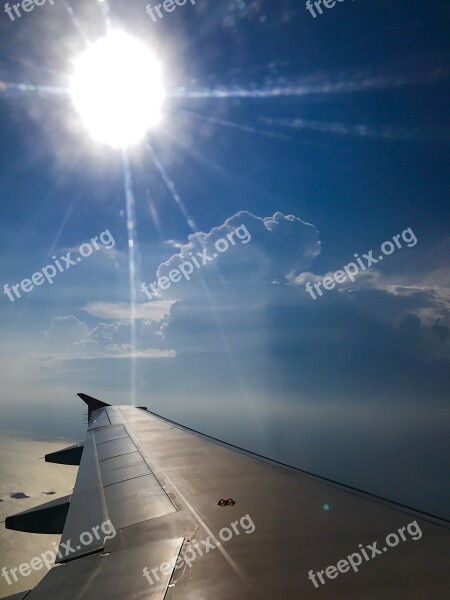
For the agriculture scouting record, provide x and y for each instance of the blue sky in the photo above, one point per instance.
(344, 146)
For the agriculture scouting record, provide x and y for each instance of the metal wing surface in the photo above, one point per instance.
(162, 512)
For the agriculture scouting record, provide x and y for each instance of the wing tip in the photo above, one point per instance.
(92, 403)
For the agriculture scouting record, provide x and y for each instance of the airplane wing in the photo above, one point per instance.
(161, 512)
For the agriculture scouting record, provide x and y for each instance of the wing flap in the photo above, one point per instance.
(114, 576)
(137, 500)
(47, 518)
(67, 456)
(114, 484)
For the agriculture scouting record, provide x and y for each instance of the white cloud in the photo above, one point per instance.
(155, 311)
(116, 352)
(280, 244)
(75, 341)
(66, 330)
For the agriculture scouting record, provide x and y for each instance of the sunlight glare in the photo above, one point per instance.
(117, 89)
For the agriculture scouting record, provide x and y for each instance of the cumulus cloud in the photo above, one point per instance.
(154, 311)
(412, 283)
(279, 245)
(270, 250)
(66, 330)
(106, 340)
(244, 321)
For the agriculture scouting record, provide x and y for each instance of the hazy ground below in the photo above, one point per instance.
(25, 482)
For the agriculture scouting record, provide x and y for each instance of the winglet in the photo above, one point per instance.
(93, 403)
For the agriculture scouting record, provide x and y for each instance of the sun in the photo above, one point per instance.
(117, 89)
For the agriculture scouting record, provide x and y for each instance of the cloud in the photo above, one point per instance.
(280, 245)
(361, 130)
(105, 340)
(155, 311)
(414, 283)
(399, 293)
(245, 323)
(19, 496)
(66, 330)
(173, 244)
(243, 326)
(117, 352)
(326, 84)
